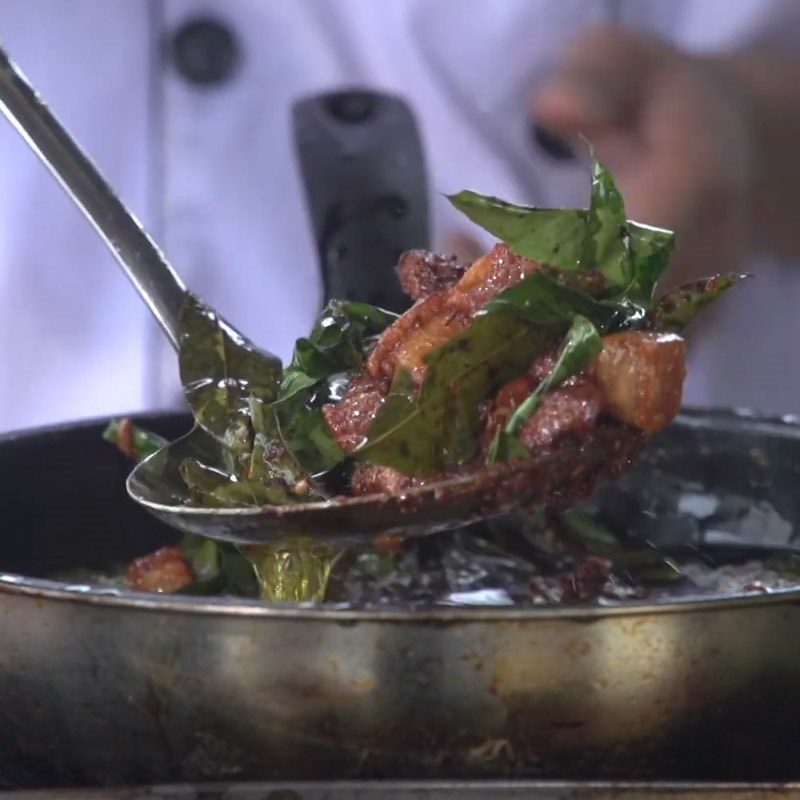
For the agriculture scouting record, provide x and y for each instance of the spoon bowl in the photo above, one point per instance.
(555, 479)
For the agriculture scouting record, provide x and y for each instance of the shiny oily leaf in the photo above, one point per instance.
(676, 309)
(553, 236)
(606, 244)
(220, 568)
(223, 374)
(541, 299)
(335, 345)
(651, 249)
(195, 470)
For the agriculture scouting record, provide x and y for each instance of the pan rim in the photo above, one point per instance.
(43, 589)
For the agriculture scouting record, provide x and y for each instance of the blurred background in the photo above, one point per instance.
(186, 106)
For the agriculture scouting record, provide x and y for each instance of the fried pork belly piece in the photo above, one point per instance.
(428, 324)
(637, 379)
(421, 273)
(640, 376)
(166, 570)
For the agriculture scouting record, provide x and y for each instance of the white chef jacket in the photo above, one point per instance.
(211, 171)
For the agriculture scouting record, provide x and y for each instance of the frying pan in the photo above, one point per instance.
(104, 687)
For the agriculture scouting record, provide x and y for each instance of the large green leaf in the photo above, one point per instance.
(631, 256)
(437, 429)
(676, 309)
(551, 235)
(581, 345)
(606, 245)
(223, 374)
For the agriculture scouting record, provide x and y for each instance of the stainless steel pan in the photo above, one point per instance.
(101, 687)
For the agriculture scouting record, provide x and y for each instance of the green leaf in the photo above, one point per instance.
(202, 554)
(581, 346)
(215, 488)
(606, 245)
(584, 529)
(195, 470)
(651, 248)
(220, 568)
(631, 256)
(223, 375)
(676, 309)
(540, 299)
(336, 346)
(132, 440)
(551, 235)
(641, 558)
(424, 434)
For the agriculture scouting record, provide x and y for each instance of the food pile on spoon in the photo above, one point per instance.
(550, 341)
(548, 338)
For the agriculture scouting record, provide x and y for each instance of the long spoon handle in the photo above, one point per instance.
(143, 262)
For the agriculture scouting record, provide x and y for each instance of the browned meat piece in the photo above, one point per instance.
(566, 412)
(166, 570)
(637, 379)
(429, 323)
(350, 418)
(569, 410)
(372, 479)
(422, 273)
(641, 376)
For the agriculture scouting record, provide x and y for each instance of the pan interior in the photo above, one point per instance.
(713, 478)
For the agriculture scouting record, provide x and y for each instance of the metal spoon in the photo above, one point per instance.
(555, 478)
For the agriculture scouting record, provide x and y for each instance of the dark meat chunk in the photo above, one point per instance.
(566, 412)
(421, 273)
(166, 570)
(570, 410)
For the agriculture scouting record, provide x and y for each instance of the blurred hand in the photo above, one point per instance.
(674, 131)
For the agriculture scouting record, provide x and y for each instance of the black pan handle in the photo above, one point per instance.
(363, 169)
